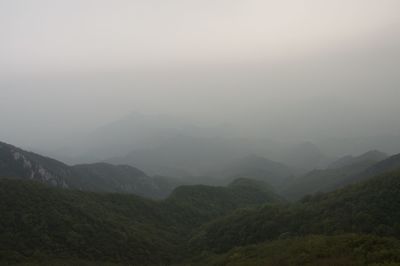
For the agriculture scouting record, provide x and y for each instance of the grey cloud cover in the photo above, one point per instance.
(281, 69)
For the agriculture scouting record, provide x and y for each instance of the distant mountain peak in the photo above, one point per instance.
(257, 167)
(372, 155)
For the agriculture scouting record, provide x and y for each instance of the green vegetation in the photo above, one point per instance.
(355, 250)
(41, 223)
(372, 207)
(201, 225)
(244, 223)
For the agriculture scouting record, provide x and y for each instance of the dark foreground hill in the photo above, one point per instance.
(201, 225)
(315, 250)
(372, 207)
(99, 177)
(40, 223)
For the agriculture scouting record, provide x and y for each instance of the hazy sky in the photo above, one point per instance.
(284, 68)
(43, 35)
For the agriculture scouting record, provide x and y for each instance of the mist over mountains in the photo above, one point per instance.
(193, 133)
(70, 206)
(305, 112)
(341, 99)
(284, 180)
(163, 145)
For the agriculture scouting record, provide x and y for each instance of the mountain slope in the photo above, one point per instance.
(390, 164)
(209, 201)
(260, 168)
(305, 157)
(371, 207)
(40, 222)
(339, 174)
(372, 156)
(101, 177)
(349, 249)
(123, 179)
(182, 155)
(17, 163)
(319, 181)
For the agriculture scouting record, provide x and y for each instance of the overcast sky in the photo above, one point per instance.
(282, 68)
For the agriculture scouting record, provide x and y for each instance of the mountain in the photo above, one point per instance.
(392, 163)
(340, 173)
(18, 163)
(244, 223)
(373, 156)
(316, 250)
(389, 164)
(182, 156)
(169, 146)
(138, 133)
(370, 207)
(123, 179)
(41, 223)
(257, 167)
(389, 144)
(101, 177)
(305, 156)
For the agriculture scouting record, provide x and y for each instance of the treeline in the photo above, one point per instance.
(372, 207)
(41, 223)
(245, 223)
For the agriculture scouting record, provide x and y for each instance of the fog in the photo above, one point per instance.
(325, 72)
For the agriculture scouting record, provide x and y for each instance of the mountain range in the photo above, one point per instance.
(169, 146)
(105, 177)
(100, 177)
(42, 224)
(342, 172)
(244, 223)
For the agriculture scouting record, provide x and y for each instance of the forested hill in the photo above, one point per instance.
(43, 223)
(40, 223)
(197, 224)
(372, 207)
(98, 177)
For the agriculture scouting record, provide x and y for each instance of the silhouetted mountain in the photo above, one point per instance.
(101, 177)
